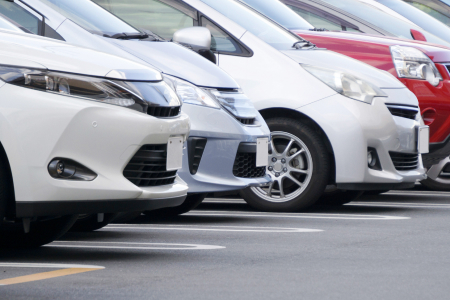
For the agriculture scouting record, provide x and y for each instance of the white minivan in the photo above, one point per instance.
(329, 114)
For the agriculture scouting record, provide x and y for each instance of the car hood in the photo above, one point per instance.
(336, 61)
(32, 51)
(178, 61)
(437, 53)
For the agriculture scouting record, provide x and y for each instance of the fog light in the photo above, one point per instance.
(372, 159)
(62, 168)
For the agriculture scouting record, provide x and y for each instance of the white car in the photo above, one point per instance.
(329, 114)
(221, 153)
(79, 137)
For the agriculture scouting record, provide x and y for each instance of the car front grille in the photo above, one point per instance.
(148, 167)
(245, 166)
(404, 111)
(164, 111)
(404, 161)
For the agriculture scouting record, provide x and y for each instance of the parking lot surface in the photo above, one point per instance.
(391, 246)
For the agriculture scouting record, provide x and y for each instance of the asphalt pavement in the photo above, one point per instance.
(392, 246)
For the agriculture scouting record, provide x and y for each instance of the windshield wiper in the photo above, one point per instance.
(304, 44)
(128, 36)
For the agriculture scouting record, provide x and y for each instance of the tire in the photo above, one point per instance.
(375, 193)
(339, 197)
(87, 223)
(42, 231)
(305, 166)
(191, 202)
(438, 176)
(126, 217)
(5, 189)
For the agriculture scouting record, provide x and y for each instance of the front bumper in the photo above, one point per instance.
(352, 127)
(41, 126)
(223, 134)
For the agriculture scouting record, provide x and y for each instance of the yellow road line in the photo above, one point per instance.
(46, 275)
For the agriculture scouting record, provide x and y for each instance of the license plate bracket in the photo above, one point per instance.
(262, 152)
(423, 139)
(174, 153)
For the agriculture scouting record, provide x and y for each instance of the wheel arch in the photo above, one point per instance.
(279, 112)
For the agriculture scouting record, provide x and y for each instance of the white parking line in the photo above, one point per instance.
(49, 266)
(399, 204)
(145, 246)
(418, 194)
(212, 228)
(294, 215)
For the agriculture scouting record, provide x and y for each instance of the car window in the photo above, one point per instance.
(21, 16)
(278, 12)
(432, 21)
(90, 16)
(316, 20)
(432, 12)
(6, 24)
(259, 25)
(220, 41)
(383, 20)
(160, 17)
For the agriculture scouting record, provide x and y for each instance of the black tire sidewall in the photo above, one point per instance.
(41, 232)
(435, 185)
(321, 168)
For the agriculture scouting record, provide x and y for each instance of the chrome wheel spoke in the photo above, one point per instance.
(292, 178)
(289, 145)
(269, 192)
(295, 170)
(280, 185)
(296, 154)
(272, 145)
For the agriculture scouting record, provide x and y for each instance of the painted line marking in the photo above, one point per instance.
(213, 228)
(434, 194)
(144, 246)
(393, 204)
(294, 215)
(67, 270)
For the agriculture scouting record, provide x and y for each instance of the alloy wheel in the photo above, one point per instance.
(290, 166)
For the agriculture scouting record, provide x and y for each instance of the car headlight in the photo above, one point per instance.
(346, 84)
(233, 101)
(135, 95)
(412, 63)
(189, 93)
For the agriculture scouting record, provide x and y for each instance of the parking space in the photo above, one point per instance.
(224, 249)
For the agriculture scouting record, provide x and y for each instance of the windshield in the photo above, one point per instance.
(280, 13)
(383, 20)
(90, 16)
(420, 18)
(260, 26)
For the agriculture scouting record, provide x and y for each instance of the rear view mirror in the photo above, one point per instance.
(418, 36)
(198, 39)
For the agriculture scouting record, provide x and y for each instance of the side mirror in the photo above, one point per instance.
(418, 36)
(198, 39)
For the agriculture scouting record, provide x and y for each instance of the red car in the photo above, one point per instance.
(423, 67)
